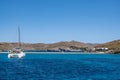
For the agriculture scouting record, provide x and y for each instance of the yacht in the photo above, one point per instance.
(16, 52)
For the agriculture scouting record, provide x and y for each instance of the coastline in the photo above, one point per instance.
(59, 53)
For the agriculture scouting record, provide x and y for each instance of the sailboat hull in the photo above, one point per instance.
(16, 55)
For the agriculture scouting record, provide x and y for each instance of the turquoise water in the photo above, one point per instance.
(61, 67)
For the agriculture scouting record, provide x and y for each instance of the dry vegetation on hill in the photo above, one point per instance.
(114, 46)
(41, 46)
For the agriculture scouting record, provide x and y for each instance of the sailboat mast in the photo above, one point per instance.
(19, 41)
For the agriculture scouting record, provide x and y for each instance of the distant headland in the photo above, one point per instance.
(65, 46)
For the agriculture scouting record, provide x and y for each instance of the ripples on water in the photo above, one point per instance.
(60, 67)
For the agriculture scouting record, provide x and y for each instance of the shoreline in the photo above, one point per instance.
(59, 53)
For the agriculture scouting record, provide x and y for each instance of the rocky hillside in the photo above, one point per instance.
(114, 46)
(41, 46)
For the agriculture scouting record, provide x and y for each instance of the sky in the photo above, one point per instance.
(49, 21)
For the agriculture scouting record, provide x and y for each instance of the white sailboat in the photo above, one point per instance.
(17, 52)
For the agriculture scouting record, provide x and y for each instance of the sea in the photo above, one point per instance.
(61, 66)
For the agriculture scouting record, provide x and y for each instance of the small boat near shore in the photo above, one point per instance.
(16, 52)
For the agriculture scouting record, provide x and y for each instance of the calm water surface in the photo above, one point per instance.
(61, 67)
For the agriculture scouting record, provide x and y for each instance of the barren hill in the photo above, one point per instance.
(114, 46)
(42, 46)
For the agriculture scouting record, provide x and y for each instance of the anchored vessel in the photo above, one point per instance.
(17, 52)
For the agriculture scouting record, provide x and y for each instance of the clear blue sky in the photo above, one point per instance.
(48, 21)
